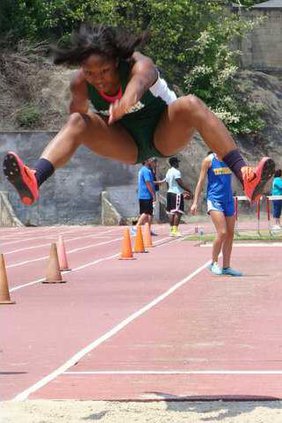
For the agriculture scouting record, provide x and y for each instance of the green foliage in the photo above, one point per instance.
(28, 116)
(60, 17)
(191, 44)
(19, 18)
(190, 41)
(174, 27)
(213, 75)
(263, 235)
(41, 19)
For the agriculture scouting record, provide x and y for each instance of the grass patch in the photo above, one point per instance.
(263, 235)
(28, 116)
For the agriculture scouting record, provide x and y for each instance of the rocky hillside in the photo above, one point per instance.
(34, 95)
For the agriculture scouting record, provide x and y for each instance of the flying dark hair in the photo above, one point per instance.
(278, 173)
(111, 42)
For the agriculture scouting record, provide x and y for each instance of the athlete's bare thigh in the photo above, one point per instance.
(174, 130)
(111, 141)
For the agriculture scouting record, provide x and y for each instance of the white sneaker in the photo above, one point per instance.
(133, 231)
(276, 228)
(231, 272)
(215, 268)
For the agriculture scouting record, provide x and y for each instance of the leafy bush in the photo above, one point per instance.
(213, 76)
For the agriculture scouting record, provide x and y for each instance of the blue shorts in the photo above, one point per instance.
(227, 208)
(276, 208)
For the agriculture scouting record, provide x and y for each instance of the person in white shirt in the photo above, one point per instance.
(176, 193)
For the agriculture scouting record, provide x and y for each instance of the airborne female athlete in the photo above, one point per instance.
(122, 109)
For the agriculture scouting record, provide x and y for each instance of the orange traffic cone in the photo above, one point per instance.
(147, 236)
(126, 249)
(4, 290)
(53, 274)
(139, 243)
(63, 262)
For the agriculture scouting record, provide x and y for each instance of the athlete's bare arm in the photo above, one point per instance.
(183, 185)
(151, 189)
(206, 164)
(143, 75)
(79, 95)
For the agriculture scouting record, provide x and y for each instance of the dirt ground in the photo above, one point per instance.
(131, 412)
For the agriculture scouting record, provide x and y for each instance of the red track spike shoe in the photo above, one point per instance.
(255, 179)
(22, 177)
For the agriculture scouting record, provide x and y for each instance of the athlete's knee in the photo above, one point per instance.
(78, 121)
(193, 106)
(222, 233)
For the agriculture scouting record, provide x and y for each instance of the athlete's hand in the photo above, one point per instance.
(194, 208)
(117, 110)
(188, 195)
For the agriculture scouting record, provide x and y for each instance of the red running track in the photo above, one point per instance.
(158, 327)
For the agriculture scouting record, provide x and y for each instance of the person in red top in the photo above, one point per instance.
(122, 109)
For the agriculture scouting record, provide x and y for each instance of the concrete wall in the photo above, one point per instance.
(7, 214)
(262, 49)
(125, 199)
(73, 193)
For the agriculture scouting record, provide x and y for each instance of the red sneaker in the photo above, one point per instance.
(22, 177)
(255, 179)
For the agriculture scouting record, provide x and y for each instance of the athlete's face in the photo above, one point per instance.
(102, 73)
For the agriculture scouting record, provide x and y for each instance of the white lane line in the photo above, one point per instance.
(69, 252)
(74, 250)
(94, 236)
(175, 372)
(250, 244)
(55, 235)
(258, 244)
(80, 354)
(100, 260)
(23, 239)
(16, 288)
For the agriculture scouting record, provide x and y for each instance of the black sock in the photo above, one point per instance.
(235, 162)
(44, 169)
